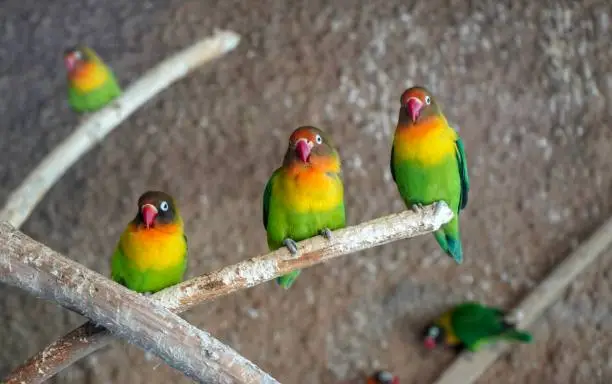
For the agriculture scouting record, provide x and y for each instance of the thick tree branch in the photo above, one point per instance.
(24, 199)
(466, 371)
(80, 342)
(33, 267)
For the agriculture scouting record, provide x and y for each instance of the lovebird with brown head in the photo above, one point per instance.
(305, 196)
(91, 83)
(428, 163)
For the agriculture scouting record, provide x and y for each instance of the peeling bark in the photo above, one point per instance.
(179, 298)
(35, 268)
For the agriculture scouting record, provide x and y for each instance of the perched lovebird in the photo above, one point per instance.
(382, 377)
(152, 251)
(471, 325)
(428, 163)
(91, 84)
(305, 196)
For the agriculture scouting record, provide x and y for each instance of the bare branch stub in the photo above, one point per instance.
(245, 274)
(33, 267)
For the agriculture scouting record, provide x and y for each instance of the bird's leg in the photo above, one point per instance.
(147, 294)
(326, 233)
(416, 207)
(291, 246)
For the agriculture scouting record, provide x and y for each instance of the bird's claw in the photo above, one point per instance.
(326, 233)
(291, 246)
(147, 294)
(417, 207)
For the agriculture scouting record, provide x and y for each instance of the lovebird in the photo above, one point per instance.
(91, 83)
(152, 251)
(428, 163)
(471, 325)
(382, 377)
(305, 196)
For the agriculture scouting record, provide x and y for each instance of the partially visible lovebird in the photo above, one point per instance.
(91, 83)
(471, 325)
(428, 163)
(152, 251)
(382, 377)
(305, 196)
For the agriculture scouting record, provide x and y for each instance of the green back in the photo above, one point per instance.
(152, 281)
(474, 323)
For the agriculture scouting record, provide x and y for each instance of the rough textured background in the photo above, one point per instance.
(528, 85)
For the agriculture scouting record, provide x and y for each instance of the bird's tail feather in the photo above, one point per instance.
(516, 335)
(450, 244)
(286, 281)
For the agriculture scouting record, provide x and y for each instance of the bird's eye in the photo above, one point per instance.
(319, 139)
(164, 206)
(434, 332)
(427, 100)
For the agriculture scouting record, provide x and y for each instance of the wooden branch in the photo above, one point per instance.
(33, 267)
(24, 199)
(466, 371)
(80, 342)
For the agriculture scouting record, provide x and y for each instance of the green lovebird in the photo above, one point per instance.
(305, 196)
(152, 251)
(91, 83)
(471, 325)
(428, 163)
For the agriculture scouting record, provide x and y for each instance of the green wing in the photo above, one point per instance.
(117, 266)
(474, 323)
(463, 173)
(391, 163)
(266, 199)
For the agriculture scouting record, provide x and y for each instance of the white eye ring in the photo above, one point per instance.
(434, 332)
(427, 100)
(164, 206)
(319, 139)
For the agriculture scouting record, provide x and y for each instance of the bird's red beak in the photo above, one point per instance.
(429, 342)
(70, 61)
(149, 213)
(303, 148)
(414, 107)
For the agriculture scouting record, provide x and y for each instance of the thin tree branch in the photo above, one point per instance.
(466, 371)
(37, 269)
(24, 199)
(179, 298)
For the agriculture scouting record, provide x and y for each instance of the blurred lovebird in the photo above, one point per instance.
(152, 251)
(428, 163)
(91, 83)
(471, 325)
(382, 377)
(305, 196)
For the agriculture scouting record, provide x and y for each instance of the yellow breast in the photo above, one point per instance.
(449, 335)
(156, 248)
(309, 190)
(89, 77)
(429, 142)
